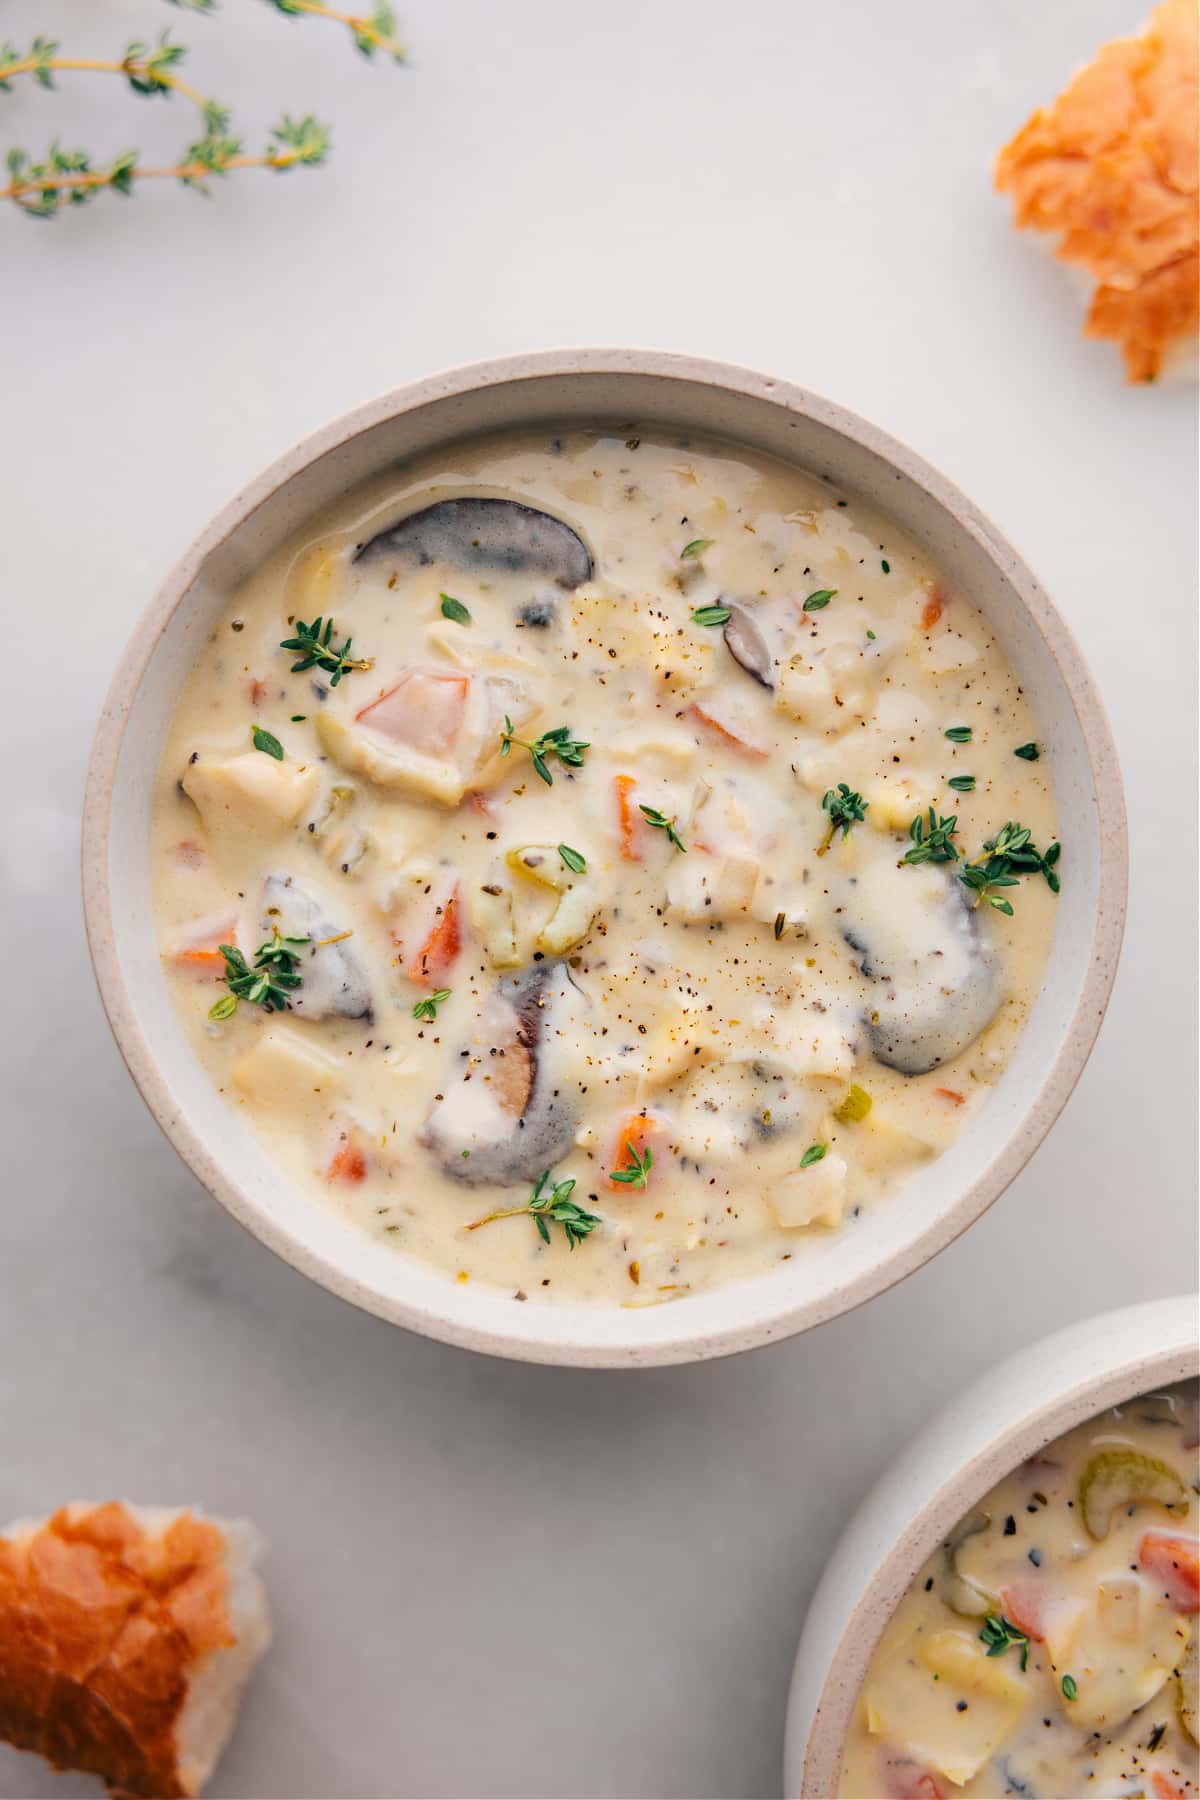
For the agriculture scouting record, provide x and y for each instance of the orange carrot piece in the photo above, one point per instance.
(952, 1095)
(627, 822)
(1175, 1561)
(437, 954)
(203, 954)
(934, 607)
(349, 1163)
(634, 1135)
(1165, 1788)
(258, 692)
(742, 745)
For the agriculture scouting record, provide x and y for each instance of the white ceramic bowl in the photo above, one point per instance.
(1012, 1413)
(651, 390)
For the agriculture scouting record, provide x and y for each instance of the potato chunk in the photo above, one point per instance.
(283, 1066)
(249, 796)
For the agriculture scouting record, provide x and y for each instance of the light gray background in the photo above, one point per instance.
(492, 1579)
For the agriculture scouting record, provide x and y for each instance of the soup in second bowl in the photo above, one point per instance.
(1048, 1647)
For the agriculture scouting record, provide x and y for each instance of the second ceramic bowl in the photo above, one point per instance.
(652, 391)
(1009, 1415)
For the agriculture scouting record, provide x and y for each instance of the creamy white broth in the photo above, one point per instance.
(730, 1007)
(1078, 1573)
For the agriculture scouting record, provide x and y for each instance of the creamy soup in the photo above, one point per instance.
(1048, 1647)
(601, 866)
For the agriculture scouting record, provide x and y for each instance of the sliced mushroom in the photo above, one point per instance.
(509, 1118)
(333, 980)
(936, 984)
(747, 645)
(479, 533)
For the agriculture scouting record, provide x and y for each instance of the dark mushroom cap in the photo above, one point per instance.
(479, 533)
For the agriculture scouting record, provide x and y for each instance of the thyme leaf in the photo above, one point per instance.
(559, 742)
(660, 822)
(845, 808)
(549, 1203)
(427, 1008)
(317, 650)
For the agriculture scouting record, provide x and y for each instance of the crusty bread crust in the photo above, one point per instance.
(102, 1623)
(1112, 166)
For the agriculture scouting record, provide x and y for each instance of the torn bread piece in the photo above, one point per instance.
(127, 1634)
(1111, 166)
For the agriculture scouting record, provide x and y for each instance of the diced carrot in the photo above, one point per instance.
(729, 729)
(627, 818)
(908, 1781)
(934, 607)
(258, 692)
(1164, 1787)
(200, 950)
(349, 1163)
(636, 1133)
(1040, 1609)
(1175, 1561)
(440, 947)
(952, 1095)
(423, 710)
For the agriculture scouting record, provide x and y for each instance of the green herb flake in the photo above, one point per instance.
(317, 650)
(1000, 1634)
(660, 822)
(1070, 1688)
(263, 740)
(932, 839)
(693, 551)
(959, 734)
(573, 860)
(818, 601)
(454, 609)
(224, 1008)
(559, 742)
(711, 615)
(426, 1009)
(636, 1170)
(845, 808)
(274, 975)
(299, 718)
(1027, 752)
(871, 635)
(1005, 857)
(549, 1203)
(886, 567)
(813, 1154)
(962, 784)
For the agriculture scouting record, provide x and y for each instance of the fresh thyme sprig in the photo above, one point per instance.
(271, 980)
(43, 186)
(636, 1171)
(932, 842)
(314, 642)
(558, 742)
(371, 31)
(845, 808)
(427, 1008)
(661, 822)
(62, 178)
(1008, 855)
(999, 1634)
(549, 1202)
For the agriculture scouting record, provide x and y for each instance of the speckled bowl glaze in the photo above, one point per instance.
(1012, 1413)
(650, 390)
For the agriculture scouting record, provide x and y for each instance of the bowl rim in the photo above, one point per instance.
(1076, 1036)
(1131, 1350)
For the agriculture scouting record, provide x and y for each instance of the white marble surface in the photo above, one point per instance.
(491, 1579)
